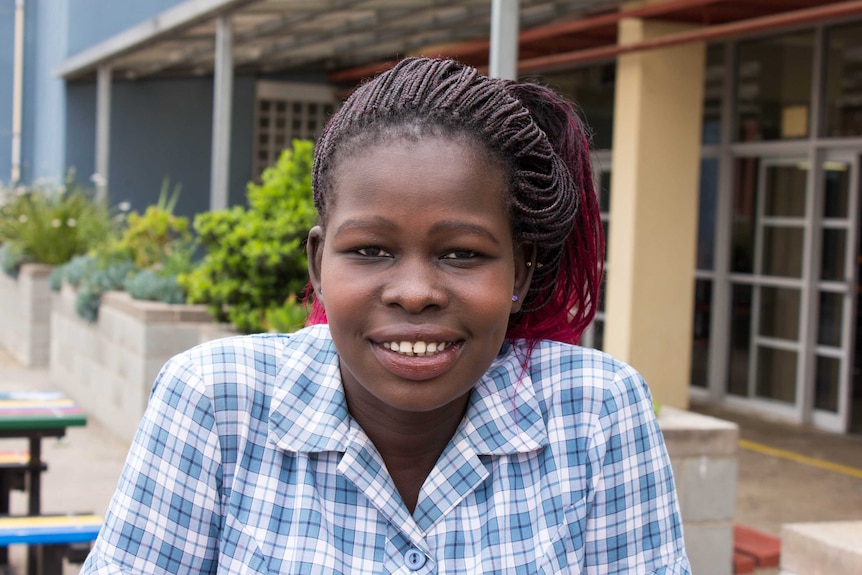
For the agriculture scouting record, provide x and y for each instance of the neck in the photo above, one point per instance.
(409, 443)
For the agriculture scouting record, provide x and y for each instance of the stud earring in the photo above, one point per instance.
(515, 298)
(529, 264)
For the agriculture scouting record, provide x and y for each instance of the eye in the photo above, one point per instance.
(460, 255)
(373, 252)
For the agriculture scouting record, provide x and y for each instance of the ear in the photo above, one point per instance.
(314, 250)
(525, 263)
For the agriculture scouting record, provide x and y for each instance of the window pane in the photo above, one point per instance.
(774, 78)
(785, 194)
(782, 251)
(712, 93)
(702, 320)
(592, 88)
(837, 184)
(776, 374)
(740, 337)
(829, 322)
(832, 255)
(744, 215)
(826, 383)
(706, 213)
(605, 191)
(598, 334)
(779, 313)
(843, 82)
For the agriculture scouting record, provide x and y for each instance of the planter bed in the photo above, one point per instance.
(25, 306)
(108, 367)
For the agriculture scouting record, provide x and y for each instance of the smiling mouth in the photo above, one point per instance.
(417, 348)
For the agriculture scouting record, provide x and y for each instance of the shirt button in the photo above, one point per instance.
(414, 559)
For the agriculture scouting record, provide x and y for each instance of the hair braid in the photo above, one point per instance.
(533, 133)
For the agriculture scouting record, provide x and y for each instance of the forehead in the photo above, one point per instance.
(414, 171)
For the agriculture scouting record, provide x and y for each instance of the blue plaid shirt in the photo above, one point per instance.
(247, 461)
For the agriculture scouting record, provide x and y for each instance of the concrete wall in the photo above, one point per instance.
(108, 367)
(25, 306)
(703, 453)
(828, 548)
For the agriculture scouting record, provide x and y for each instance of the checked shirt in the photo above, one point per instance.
(247, 461)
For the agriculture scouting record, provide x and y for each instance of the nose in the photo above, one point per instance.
(414, 285)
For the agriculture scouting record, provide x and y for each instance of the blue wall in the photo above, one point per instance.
(7, 50)
(91, 21)
(161, 129)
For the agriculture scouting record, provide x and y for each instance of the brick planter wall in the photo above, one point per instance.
(25, 309)
(703, 453)
(109, 366)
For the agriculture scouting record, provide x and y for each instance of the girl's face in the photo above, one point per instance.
(417, 269)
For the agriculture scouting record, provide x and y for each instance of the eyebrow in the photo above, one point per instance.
(446, 226)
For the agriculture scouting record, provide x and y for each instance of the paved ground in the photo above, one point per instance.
(84, 467)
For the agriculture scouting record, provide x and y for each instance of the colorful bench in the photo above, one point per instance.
(60, 537)
(13, 475)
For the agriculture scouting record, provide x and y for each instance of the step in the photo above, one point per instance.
(827, 547)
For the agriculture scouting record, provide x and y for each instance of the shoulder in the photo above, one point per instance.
(561, 371)
(247, 363)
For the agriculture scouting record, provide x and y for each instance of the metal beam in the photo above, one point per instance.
(503, 58)
(222, 106)
(103, 131)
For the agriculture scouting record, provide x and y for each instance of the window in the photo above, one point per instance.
(287, 111)
(774, 78)
(844, 81)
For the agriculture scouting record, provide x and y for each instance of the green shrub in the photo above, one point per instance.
(51, 225)
(152, 249)
(289, 317)
(255, 257)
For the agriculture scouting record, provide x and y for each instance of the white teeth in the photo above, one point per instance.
(419, 348)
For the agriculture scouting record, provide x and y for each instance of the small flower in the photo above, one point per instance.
(98, 179)
(55, 223)
(71, 222)
(22, 218)
(124, 206)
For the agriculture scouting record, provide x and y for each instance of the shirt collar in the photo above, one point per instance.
(308, 411)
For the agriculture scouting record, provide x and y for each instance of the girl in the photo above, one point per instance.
(437, 418)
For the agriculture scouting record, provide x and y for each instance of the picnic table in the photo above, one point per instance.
(34, 415)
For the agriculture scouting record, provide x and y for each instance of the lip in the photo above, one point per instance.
(418, 368)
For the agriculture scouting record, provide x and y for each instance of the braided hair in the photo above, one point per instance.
(534, 135)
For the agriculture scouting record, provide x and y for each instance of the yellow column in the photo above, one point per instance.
(654, 196)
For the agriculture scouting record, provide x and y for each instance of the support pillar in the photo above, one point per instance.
(654, 198)
(222, 106)
(503, 59)
(103, 131)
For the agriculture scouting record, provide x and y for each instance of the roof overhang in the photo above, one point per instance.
(350, 39)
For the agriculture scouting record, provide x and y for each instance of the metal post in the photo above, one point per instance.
(222, 96)
(103, 131)
(503, 59)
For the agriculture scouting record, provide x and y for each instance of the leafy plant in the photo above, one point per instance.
(289, 317)
(51, 225)
(255, 257)
(152, 249)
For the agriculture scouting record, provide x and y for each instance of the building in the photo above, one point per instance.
(728, 136)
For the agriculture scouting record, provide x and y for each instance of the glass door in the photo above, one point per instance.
(770, 225)
(836, 355)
